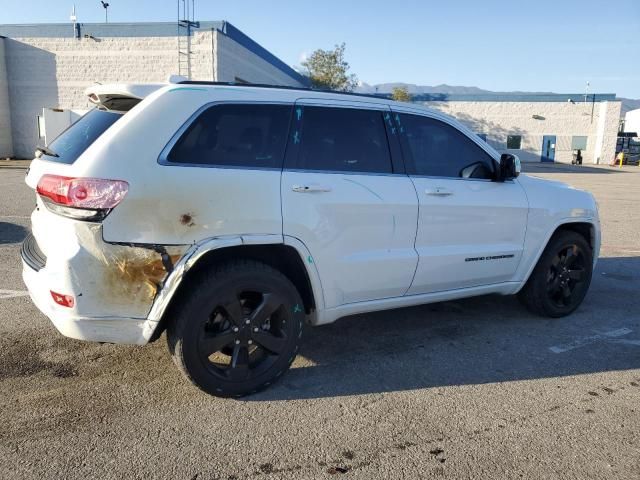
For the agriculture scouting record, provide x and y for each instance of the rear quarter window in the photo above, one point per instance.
(71, 143)
(241, 135)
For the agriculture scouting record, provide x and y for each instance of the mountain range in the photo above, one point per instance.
(627, 103)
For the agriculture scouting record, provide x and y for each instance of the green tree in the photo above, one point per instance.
(327, 69)
(401, 94)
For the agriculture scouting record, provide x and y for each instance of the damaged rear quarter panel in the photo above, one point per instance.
(118, 280)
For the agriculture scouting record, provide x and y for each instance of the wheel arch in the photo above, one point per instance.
(584, 227)
(288, 258)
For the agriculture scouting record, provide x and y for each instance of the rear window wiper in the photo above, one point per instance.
(45, 150)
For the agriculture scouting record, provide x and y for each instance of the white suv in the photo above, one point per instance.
(231, 215)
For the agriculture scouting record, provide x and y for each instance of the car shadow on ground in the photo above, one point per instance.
(473, 341)
(12, 233)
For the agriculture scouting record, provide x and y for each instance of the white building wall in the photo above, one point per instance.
(533, 120)
(632, 121)
(53, 72)
(234, 62)
(6, 143)
(610, 112)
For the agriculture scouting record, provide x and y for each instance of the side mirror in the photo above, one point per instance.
(509, 167)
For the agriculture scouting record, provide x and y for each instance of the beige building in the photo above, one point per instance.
(50, 65)
(539, 127)
(46, 67)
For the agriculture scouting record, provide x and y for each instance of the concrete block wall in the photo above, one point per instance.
(533, 120)
(6, 142)
(53, 72)
(233, 62)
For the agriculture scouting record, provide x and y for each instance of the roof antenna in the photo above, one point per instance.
(106, 11)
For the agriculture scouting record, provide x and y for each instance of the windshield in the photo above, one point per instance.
(71, 143)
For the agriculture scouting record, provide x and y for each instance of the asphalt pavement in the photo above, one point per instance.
(477, 388)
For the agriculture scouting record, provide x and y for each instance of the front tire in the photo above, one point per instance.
(561, 278)
(238, 330)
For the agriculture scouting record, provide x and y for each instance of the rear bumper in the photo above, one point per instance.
(69, 323)
(113, 285)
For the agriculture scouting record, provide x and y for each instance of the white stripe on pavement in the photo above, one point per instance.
(624, 341)
(12, 294)
(581, 342)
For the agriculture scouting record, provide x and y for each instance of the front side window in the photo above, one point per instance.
(71, 143)
(344, 140)
(514, 142)
(243, 135)
(434, 148)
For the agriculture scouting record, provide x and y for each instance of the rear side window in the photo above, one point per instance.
(71, 143)
(437, 149)
(246, 135)
(344, 140)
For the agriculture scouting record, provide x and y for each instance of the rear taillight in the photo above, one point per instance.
(81, 198)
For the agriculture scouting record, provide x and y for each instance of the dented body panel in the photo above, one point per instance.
(114, 279)
(114, 285)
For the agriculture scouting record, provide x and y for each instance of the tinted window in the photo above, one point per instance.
(71, 143)
(237, 135)
(435, 148)
(344, 139)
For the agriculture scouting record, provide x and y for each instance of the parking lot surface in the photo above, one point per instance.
(477, 388)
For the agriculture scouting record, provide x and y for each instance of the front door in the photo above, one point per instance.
(343, 198)
(471, 229)
(548, 148)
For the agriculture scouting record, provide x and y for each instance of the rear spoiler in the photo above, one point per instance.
(120, 97)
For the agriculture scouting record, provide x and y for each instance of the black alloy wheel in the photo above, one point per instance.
(566, 274)
(244, 335)
(238, 329)
(561, 278)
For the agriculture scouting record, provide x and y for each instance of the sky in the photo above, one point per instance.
(500, 45)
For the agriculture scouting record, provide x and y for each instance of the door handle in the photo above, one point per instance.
(310, 188)
(438, 192)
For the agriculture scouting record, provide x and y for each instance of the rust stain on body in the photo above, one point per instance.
(136, 274)
(125, 279)
(187, 219)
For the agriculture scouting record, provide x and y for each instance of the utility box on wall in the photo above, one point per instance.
(54, 121)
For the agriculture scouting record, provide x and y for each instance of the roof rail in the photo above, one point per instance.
(283, 87)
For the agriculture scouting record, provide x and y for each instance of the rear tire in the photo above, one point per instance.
(561, 278)
(238, 330)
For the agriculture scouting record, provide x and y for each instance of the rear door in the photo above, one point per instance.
(471, 229)
(346, 197)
